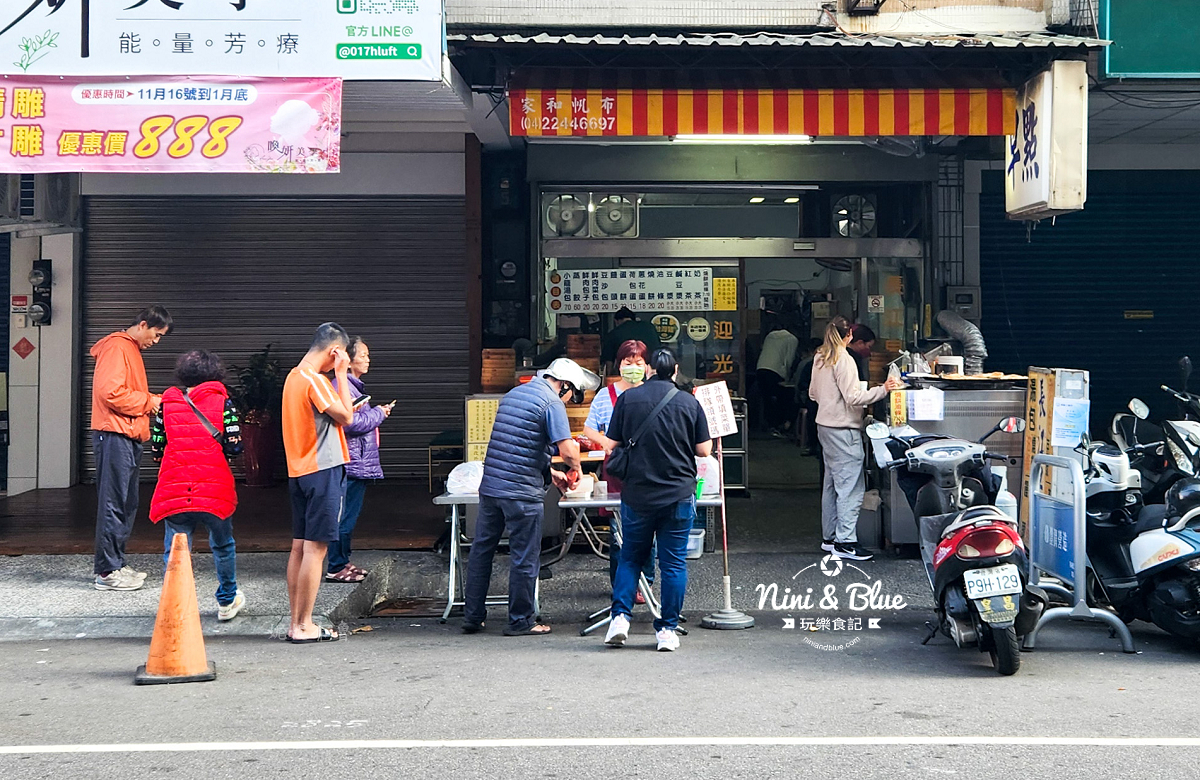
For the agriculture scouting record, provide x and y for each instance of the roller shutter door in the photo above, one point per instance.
(1070, 295)
(240, 273)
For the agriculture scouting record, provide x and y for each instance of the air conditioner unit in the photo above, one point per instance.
(57, 199)
(564, 215)
(614, 215)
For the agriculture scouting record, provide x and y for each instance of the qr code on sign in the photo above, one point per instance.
(387, 6)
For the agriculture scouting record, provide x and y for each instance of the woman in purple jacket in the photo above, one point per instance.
(362, 439)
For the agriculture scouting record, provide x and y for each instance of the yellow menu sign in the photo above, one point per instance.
(725, 295)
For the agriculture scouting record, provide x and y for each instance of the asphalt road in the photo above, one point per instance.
(758, 703)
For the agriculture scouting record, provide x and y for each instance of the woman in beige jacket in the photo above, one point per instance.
(841, 400)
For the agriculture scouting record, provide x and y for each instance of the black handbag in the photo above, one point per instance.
(618, 461)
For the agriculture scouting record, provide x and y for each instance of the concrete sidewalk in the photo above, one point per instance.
(51, 596)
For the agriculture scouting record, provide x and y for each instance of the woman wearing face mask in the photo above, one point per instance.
(631, 362)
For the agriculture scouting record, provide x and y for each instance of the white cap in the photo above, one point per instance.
(578, 377)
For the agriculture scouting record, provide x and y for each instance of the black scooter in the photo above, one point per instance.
(974, 556)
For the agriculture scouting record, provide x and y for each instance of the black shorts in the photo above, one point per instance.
(317, 501)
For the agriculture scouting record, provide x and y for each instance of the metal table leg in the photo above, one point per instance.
(643, 587)
(455, 538)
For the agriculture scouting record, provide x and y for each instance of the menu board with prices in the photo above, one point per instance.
(640, 289)
(481, 415)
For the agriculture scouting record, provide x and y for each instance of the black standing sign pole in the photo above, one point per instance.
(85, 36)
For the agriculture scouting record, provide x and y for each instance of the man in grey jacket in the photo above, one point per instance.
(530, 423)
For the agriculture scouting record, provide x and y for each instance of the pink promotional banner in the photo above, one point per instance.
(170, 124)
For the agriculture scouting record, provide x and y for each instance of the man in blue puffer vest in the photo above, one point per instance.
(530, 423)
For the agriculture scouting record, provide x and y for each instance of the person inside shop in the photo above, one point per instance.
(193, 436)
(531, 423)
(658, 498)
(122, 406)
(362, 439)
(774, 367)
(802, 379)
(315, 445)
(631, 363)
(862, 342)
(627, 327)
(841, 400)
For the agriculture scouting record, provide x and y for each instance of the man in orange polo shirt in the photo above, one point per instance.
(122, 406)
(313, 416)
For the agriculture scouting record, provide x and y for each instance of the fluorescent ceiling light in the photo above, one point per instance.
(757, 200)
(743, 139)
(791, 200)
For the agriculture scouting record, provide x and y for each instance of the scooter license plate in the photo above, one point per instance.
(995, 581)
(999, 609)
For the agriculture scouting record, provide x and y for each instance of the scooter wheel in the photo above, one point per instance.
(1006, 650)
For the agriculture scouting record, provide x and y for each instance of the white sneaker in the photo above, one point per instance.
(118, 580)
(230, 611)
(132, 572)
(668, 640)
(618, 631)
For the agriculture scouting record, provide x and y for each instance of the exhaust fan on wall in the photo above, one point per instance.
(854, 216)
(564, 216)
(614, 216)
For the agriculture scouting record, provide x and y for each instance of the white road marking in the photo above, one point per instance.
(602, 742)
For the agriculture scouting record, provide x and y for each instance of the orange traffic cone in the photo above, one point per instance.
(177, 647)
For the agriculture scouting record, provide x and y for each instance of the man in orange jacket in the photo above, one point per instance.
(122, 406)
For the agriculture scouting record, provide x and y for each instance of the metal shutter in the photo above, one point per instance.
(239, 273)
(1059, 299)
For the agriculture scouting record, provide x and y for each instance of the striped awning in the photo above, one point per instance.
(814, 112)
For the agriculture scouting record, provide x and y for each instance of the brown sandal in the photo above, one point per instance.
(358, 570)
(347, 574)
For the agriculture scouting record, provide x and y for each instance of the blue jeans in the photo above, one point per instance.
(523, 522)
(614, 555)
(220, 539)
(671, 524)
(339, 551)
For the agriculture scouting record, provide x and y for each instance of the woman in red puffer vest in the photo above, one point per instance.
(193, 441)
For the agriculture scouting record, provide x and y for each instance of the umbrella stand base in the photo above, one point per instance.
(727, 620)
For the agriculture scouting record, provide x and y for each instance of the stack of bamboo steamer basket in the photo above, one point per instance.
(499, 370)
(584, 349)
(879, 366)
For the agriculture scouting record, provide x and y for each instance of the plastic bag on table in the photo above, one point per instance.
(465, 478)
(708, 470)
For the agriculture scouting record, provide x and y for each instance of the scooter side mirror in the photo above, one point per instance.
(1139, 408)
(877, 431)
(1012, 425)
(1185, 370)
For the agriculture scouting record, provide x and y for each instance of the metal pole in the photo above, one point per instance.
(727, 618)
(1080, 610)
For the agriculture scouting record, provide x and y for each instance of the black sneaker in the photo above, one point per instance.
(827, 545)
(852, 552)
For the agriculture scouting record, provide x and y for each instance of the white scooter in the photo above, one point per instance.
(1143, 561)
(1164, 454)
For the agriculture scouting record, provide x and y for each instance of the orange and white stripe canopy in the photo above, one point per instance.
(549, 112)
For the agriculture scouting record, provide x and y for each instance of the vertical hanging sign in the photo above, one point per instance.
(1046, 158)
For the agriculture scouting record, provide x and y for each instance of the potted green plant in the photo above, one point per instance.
(256, 396)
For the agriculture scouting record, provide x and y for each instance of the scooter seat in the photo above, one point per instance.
(1151, 518)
